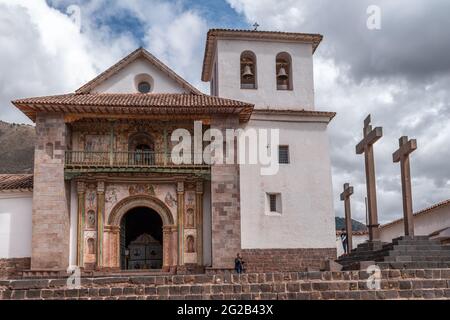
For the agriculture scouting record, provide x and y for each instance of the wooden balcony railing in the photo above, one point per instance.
(138, 159)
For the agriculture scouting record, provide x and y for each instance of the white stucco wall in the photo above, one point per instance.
(267, 95)
(424, 224)
(307, 218)
(123, 81)
(15, 224)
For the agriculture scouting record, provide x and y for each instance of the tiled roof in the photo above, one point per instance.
(135, 103)
(421, 212)
(215, 34)
(139, 53)
(9, 182)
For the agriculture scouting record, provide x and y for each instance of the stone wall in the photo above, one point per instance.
(50, 232)
(394, 284)
(225, 205)
(10, 268)
(269, 260)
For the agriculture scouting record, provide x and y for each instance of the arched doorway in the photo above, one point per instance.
(113, 240)
(141, 239)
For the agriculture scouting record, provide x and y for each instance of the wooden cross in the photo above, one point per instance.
(402, 155)
(256, 25)
(366, 146)
(345, 196)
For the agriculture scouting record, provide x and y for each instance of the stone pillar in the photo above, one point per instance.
(199, 221)
(50, 220)
(111, 247)
(173, 250)
(81, 191)
(100, 216)
(225, 203)
(180, 221)
(169, 247)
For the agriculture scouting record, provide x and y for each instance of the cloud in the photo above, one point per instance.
(399, 74)
(44, 52)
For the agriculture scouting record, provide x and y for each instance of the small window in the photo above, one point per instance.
(144, 87)
(284, 71)
(248, 70)
(283, 154)
(273, 203)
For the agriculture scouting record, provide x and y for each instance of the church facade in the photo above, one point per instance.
(110, 193)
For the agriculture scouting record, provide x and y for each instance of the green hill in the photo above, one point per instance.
(16, 147)
(356, 225)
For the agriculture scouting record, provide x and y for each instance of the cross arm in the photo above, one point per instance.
(404, 150)
(370, 139)
(348, 191)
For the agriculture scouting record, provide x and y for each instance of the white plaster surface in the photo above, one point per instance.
(266, 95)
(124, 80)
(424, 224)
(15, 224)
(307, 217)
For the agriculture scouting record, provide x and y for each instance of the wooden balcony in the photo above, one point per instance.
(146, 161)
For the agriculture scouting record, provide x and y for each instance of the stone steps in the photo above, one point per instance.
(394, 284)
(403, 252)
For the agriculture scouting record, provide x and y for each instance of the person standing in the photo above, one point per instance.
(239, 264)
(344, 240)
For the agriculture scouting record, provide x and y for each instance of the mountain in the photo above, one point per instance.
(16, 147)
(356, 225)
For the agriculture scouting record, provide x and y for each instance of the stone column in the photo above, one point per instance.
(81, 191)
(180, 221)
(225, 203)
(173, 250)
(168, 247)
(100, 215)
(199, 221)
(111, 255)
(50, 217)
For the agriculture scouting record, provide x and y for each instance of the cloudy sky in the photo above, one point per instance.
(399, 73)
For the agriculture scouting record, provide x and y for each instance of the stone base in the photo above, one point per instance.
(11, 268)
(190, 269)
(270, 260)
(394, 284)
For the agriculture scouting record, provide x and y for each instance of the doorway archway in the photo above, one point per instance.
(161, 216)
(141, 239)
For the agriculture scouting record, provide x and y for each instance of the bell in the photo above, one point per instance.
(247, 72)
(282, 75)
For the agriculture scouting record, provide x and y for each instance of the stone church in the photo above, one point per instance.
(106, 194)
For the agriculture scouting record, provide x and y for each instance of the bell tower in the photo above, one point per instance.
(292, 206)
(273, 70)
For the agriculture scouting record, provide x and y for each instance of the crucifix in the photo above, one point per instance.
(366, 146)
(406, 147)
(345, 196)
(256, 25)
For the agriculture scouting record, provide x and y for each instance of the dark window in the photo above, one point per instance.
(273, 202)
(283, 154)
(144, 87)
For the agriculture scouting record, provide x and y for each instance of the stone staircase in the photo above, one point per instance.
(417, 252)
(315, 285)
